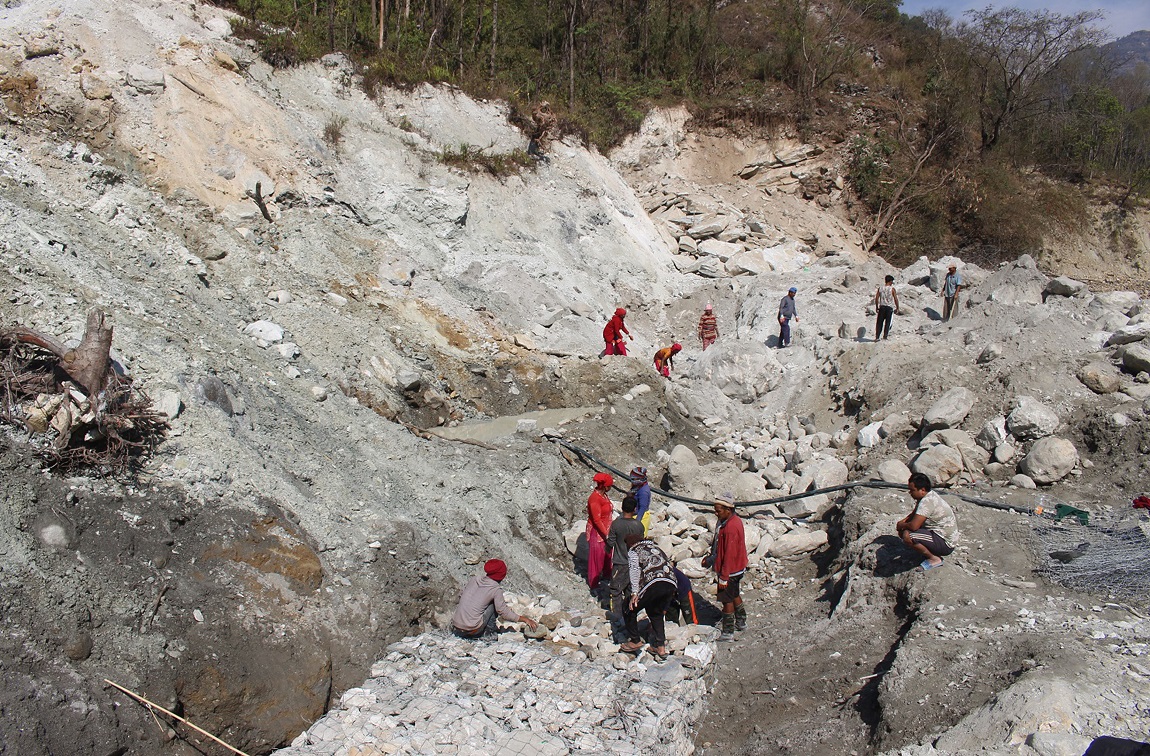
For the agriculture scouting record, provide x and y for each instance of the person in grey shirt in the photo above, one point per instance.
(951, 285)
(480, 602)
(622, 527)
(786, 312)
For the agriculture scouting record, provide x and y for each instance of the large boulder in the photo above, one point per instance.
(942, 464)
(798, 542)
(1031, 419)
(950, 409)
(742, 370)
(1064, 286)
(1124, 302)
(893, 471)
(683, 466)
(1136, 359)
(1050, 459)
(829, 472)
(993, 433)
(1099, 378)
(1128, 334)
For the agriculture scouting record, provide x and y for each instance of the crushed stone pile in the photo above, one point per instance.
(435, 693)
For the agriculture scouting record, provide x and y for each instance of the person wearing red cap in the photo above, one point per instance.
(480, 601)
(599, 511)
(613, 334)
(708, 327)
(665, 359)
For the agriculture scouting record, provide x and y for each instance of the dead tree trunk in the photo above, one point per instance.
(86, 365)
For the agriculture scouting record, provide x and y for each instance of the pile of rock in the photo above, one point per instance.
(435, 693)
(715, 242)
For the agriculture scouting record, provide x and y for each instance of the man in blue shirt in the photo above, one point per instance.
(786, 312)
(951, 285)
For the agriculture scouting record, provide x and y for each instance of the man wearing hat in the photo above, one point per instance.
(951, 285)
(708, 327)
(479, 602)
(786, 312)
(729, 558)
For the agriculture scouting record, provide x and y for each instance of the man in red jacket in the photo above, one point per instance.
(729, 558)
(613, 334)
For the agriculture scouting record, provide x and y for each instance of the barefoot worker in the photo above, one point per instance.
(930, 528)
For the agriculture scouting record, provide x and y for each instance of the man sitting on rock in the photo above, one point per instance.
(479, 602)
(930, 528)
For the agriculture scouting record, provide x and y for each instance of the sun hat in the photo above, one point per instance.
(726, 498)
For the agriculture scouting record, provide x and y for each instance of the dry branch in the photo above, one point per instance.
(155, 706)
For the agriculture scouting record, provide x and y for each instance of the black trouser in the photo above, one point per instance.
(655, 601)
(948, 306)
(885, 315)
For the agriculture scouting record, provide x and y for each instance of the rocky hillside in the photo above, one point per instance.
(358, 374)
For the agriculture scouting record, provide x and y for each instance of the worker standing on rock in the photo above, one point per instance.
(886, 304)
(613, 334)
(930, 528)
(599, 511)
(729, 559)
(665, 359)
(481, 600)
(708, 327)
(641, 490)
(653, 586)
(787, 311)
(951, 285)
(622, 527)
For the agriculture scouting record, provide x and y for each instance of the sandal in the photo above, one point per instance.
(631, 648)
(662, 657)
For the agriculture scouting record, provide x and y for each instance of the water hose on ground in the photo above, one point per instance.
(595, 463)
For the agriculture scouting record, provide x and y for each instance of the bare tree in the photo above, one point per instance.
(1010, 52)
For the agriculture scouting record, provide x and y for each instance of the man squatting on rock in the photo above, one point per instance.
(786, 312)
(886, 304)
(930, 528)
(479, 602)
(729, 558)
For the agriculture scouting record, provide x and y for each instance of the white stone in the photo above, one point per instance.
(869, 435)
(942, 464)
(893, 471)
(265, 330)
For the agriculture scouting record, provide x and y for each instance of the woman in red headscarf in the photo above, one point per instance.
(613, 334)
(599, 511)
(665, 359)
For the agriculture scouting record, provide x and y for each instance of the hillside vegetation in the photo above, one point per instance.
(993, 132)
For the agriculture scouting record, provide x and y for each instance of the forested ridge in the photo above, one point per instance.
(990, 131)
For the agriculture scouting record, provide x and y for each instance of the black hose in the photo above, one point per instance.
(594, 462)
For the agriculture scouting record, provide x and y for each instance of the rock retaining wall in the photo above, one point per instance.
(435, 693)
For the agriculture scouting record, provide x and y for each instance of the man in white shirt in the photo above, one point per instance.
(930, 528)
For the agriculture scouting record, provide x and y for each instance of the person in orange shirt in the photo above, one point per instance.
(599, 511)
(665, 359)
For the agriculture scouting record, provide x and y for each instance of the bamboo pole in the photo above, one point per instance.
(152, 705)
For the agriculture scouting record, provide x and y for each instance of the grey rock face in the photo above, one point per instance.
(1136, 359)
(145, 80)
(1064, 286)
(940, 463)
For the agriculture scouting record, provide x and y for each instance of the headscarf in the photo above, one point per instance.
(638, 475)
(604, 478)
(496, 569)
(620, 312)
(676, 347)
